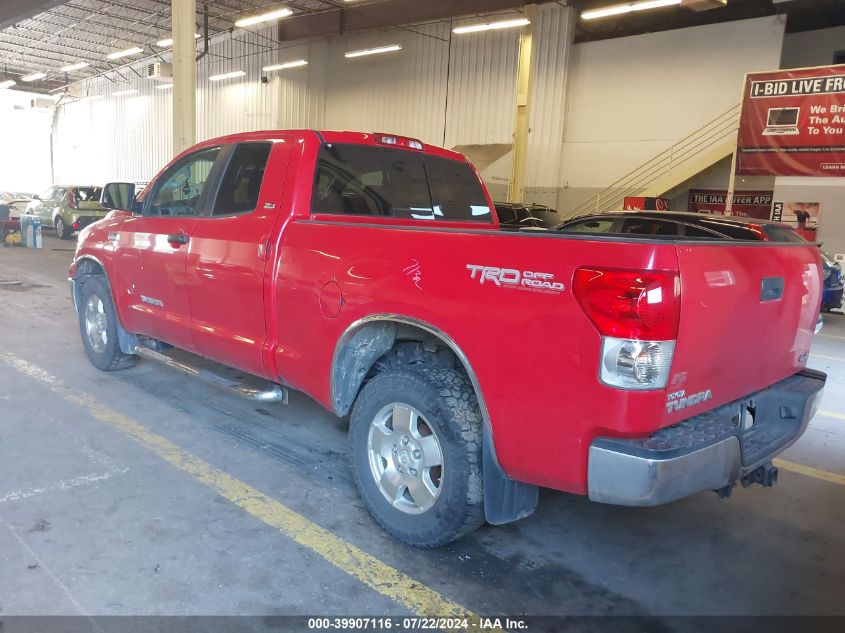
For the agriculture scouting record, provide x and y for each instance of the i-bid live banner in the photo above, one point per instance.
(793, 123)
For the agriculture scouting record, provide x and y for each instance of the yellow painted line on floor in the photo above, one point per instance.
(379, 576)
(839, 358)
(809, 471)
(831, 335)
(831, 414)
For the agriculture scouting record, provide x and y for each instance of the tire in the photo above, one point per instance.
(61, 230)
(430, 506)
(98, 327)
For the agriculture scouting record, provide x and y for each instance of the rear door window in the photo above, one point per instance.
(649, 226)
(242, 180)
(366, 180)
(591, 226)
(734, 231)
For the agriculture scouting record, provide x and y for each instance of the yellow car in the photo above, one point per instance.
(68, 208)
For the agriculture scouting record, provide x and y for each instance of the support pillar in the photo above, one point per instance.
(527, 56)
(184, 74)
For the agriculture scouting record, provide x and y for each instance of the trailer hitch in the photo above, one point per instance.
(765, 475)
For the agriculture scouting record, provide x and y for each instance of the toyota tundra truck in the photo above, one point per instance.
(476, 365)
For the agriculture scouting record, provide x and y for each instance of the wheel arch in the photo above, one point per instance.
(90, 266)
(369, 338)
(374, 335)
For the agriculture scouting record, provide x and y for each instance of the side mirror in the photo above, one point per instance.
(118, 195)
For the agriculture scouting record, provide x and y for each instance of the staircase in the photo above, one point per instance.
(706, 146)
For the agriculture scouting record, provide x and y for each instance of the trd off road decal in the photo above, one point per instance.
(513, 278)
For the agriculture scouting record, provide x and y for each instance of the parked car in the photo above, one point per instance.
(68, 208)
(16, 202)
(833, 283)
(670, 223)
(368, 271)
(518, 215)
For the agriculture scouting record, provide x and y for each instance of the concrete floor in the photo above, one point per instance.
(92, 522)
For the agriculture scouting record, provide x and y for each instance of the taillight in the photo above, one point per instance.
(636, 312)
(70, 199)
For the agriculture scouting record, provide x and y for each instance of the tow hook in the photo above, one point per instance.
(765, 475)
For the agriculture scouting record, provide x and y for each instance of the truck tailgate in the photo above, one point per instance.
(748, 313)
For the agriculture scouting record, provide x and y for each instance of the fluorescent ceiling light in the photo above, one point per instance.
(33, 77)
(264, 17)
(70, 68)
(619, 9)
(168, 42)
(128, 91)
(374, 51)
(231, 75)
(489, 26)
(7, 84)
(164, 86)
(295, 64)
(129, 51)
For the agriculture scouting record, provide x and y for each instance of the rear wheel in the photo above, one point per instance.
(415, 435)
(62, 231)
(98, 326)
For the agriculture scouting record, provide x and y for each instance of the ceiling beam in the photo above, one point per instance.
(387, 14)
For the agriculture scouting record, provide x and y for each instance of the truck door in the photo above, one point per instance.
(151, 251)
(230, 247)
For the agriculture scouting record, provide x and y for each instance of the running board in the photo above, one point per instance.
(271, 393)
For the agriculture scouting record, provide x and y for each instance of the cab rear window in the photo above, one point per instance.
(379, 181)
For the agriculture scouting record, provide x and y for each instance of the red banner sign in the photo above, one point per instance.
(752, 204)
(793, 123)
(639, 203)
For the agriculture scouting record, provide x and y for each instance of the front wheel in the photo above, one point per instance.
(415, 436)
(98, 326)
(62, 231)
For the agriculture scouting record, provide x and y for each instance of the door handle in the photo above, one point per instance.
(177, 239)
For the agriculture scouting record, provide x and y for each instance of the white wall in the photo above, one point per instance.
(442, 88)
(630, 98)
(812, 48)
(599, 109)
(25, 158)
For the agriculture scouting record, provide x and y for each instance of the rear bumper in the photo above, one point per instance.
(706, 452)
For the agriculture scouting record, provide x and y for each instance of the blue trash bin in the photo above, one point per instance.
(31, 230)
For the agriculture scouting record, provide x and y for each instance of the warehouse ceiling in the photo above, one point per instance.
(46, 35)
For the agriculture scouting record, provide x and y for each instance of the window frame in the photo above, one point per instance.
(202, 201)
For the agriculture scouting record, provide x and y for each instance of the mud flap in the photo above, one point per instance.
(505, 499)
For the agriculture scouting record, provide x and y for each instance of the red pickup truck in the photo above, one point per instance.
(369, 272)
